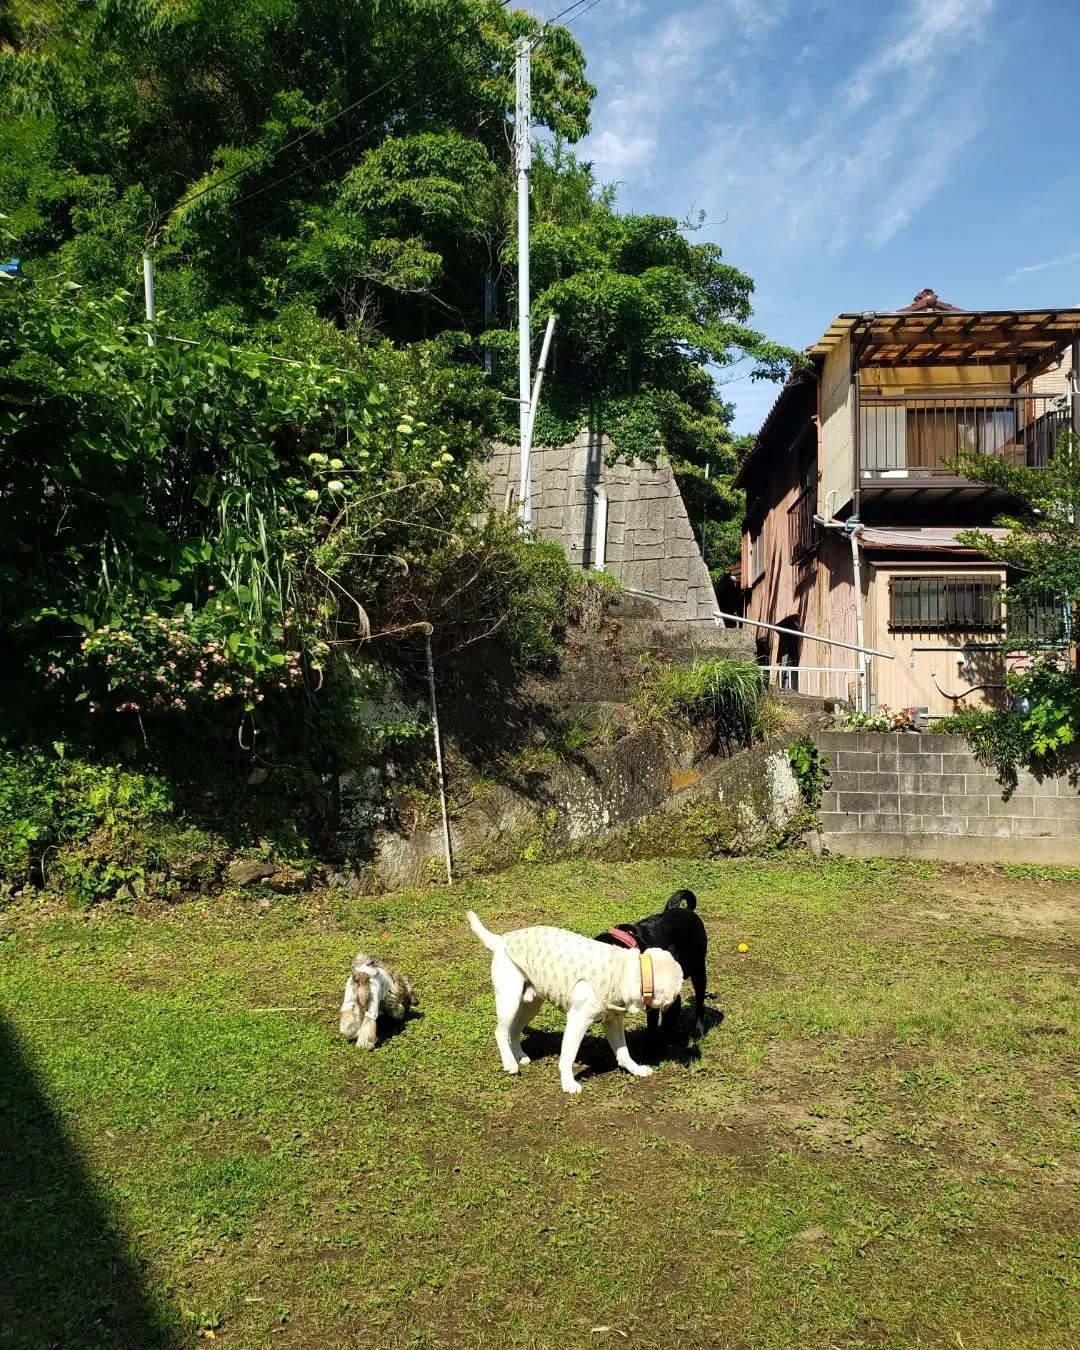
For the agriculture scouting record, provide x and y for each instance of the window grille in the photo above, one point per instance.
(953, 604)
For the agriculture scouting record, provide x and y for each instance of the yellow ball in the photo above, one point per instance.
(744, 946)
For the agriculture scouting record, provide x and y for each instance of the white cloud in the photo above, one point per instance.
(793, 151)
(655, 82)
(1043, 266)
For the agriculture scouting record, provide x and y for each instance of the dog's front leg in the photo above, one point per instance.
(581, 1013)
(616, 1038)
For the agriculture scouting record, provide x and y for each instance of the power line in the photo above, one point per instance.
(341, 112)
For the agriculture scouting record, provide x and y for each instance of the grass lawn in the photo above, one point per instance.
(878, 1146)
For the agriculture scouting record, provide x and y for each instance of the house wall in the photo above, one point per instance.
(907, 682)
(649, 544)
(837, 412)
(1055, 380)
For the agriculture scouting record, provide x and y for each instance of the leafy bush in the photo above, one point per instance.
(811, 769)
(1005, 739)
(96, 827)
(882, 720)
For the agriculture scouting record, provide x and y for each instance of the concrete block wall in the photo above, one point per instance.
(650, 545)
(904, 795)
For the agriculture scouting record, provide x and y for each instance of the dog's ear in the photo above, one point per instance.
(403, 990)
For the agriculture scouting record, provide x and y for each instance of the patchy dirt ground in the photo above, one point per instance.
(876, 1145)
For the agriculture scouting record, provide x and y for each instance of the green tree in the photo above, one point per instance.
(1042, 550)
(646, 316)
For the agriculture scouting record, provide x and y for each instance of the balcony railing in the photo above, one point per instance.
(920, 438)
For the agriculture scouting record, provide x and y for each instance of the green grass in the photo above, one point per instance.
(876, 1147)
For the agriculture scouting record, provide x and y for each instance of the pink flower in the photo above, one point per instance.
(196, 684)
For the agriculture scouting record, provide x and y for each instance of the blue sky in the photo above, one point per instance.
(850, 153)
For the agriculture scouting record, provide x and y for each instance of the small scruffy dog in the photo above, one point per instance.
(372, 989)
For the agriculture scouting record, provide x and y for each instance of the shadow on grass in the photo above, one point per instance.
(597, 1057)
(66, 1275)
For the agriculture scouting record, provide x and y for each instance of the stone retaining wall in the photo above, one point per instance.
(904, 795)
(649, 544)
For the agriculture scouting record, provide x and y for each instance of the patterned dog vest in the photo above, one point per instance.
(554, 960)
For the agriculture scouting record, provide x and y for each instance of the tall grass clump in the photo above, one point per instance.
(729, 692)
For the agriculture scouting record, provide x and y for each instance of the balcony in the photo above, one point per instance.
(912, 442)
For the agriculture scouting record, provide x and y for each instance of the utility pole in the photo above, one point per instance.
(523, 164)
(148, 295)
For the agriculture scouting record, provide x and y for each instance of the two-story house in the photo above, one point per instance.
(854, 505)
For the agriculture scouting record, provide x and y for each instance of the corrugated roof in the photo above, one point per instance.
(920, 537)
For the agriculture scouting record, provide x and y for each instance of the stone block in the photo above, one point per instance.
(1016, 805)
(835, 822)
(829, 800)
(971, 804)
(908, 761)
(935, 823)
(1055, 808)
(675, 569)
(939, 782)
(650, 574)
(855, 760)
(922, 804)
(881, 822)
(983, 827)
(876, 782)
(858, 801)
(959, 762)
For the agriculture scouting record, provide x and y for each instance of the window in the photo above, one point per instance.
(1039, 617)
(757, 552)
(951, 604)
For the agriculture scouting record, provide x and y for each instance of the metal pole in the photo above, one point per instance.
(439, 759)
(776, 628)
(523, 161)
(148, 295)
(530, 425)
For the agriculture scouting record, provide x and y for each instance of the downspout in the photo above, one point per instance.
(853, 527)
(856, 567)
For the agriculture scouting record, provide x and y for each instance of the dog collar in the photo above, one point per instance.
(624, 938)
(648, 988)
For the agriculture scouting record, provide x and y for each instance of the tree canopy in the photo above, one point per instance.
(213, 524)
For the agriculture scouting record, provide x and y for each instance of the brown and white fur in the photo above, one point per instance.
(517, 1003)
(372, 989)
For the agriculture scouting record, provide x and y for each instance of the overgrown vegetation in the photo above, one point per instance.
(727, 690)
(199, 539)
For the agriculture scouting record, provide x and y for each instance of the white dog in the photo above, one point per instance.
(370, 990)
(591, 981)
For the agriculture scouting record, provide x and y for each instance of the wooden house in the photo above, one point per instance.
(855, 506)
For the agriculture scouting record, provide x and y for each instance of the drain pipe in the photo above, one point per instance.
(852, 527)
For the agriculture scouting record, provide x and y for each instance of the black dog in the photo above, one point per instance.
(677, 930)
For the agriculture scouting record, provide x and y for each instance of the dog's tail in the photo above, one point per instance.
(491, 941)
(680, 898)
